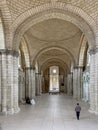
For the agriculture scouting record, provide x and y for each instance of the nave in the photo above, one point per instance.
(51, 112)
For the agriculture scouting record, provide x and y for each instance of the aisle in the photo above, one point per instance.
(51, 112)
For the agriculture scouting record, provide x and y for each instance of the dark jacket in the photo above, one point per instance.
(77, 108)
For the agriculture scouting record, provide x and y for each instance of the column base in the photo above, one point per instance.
(74, 97)
(91, 111)
(10, 111)
(16, 110)
(3, 113)
(96, 112)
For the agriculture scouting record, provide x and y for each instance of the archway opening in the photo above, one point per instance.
(54, 79)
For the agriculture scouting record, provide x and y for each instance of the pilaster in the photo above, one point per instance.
(92, 81)
(21, 85)
(96, 83)
(38, 84)
(77, 82)
(75, 85)
(15, 84)
(9, 81)
(3, 85)
(30, 82)
(33, 83)
(69, 84)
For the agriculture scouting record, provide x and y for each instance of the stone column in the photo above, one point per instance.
(77, 82)
(21, 85)
(30, 82)
(38, 84)
(0, 77)
(96, 81)
(33, 83)
(9, 79)
(43, 85)
(69, 84)
(80, 84)
(3, 83)
(27, 80)
(15, 84)
(65, 84)
(92, 81)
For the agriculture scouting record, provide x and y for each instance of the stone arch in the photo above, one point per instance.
(58, 10)
(82, 50)
(2, 41)
(25, 52)
(43, 50)
(63, 65)
(7, 24)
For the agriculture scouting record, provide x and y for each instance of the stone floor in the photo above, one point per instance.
(51, 112)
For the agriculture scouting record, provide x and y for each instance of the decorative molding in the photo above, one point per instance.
(92, 52)
(9, 52)
(77, 67)
(28, 68)
(53, 1)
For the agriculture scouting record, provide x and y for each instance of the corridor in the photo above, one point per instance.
(51, 112)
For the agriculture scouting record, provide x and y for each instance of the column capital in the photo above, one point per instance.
(9, 52)
(28, 68)
(70, 73)
(77, 67)
(93, 51)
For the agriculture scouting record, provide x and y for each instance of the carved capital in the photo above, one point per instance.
(77, 67)
(9, 52)
(93, 51)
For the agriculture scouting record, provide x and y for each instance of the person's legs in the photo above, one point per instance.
(78, 114)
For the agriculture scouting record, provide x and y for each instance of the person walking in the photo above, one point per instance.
(78, 109)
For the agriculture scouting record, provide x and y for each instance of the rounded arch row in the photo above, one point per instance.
(62, 63)
(64, 12)
(43, 50)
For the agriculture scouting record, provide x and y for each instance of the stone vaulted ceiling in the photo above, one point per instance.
(54, 39)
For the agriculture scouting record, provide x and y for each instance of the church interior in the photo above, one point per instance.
(49, 55)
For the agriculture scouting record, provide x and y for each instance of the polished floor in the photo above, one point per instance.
(51, 112)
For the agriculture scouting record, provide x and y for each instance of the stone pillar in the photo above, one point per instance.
(80, 84)
(9, 81)
(92, 81)
(96, 82)
(77, 82)
(38, 84)
(21, 85)
(43, 85)
(65, 84)
(10, 87)
(33, 83)
(69, 84)
(0, 77)
(3, 83)
(30, 82)
(27, 80)
(15, 84)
